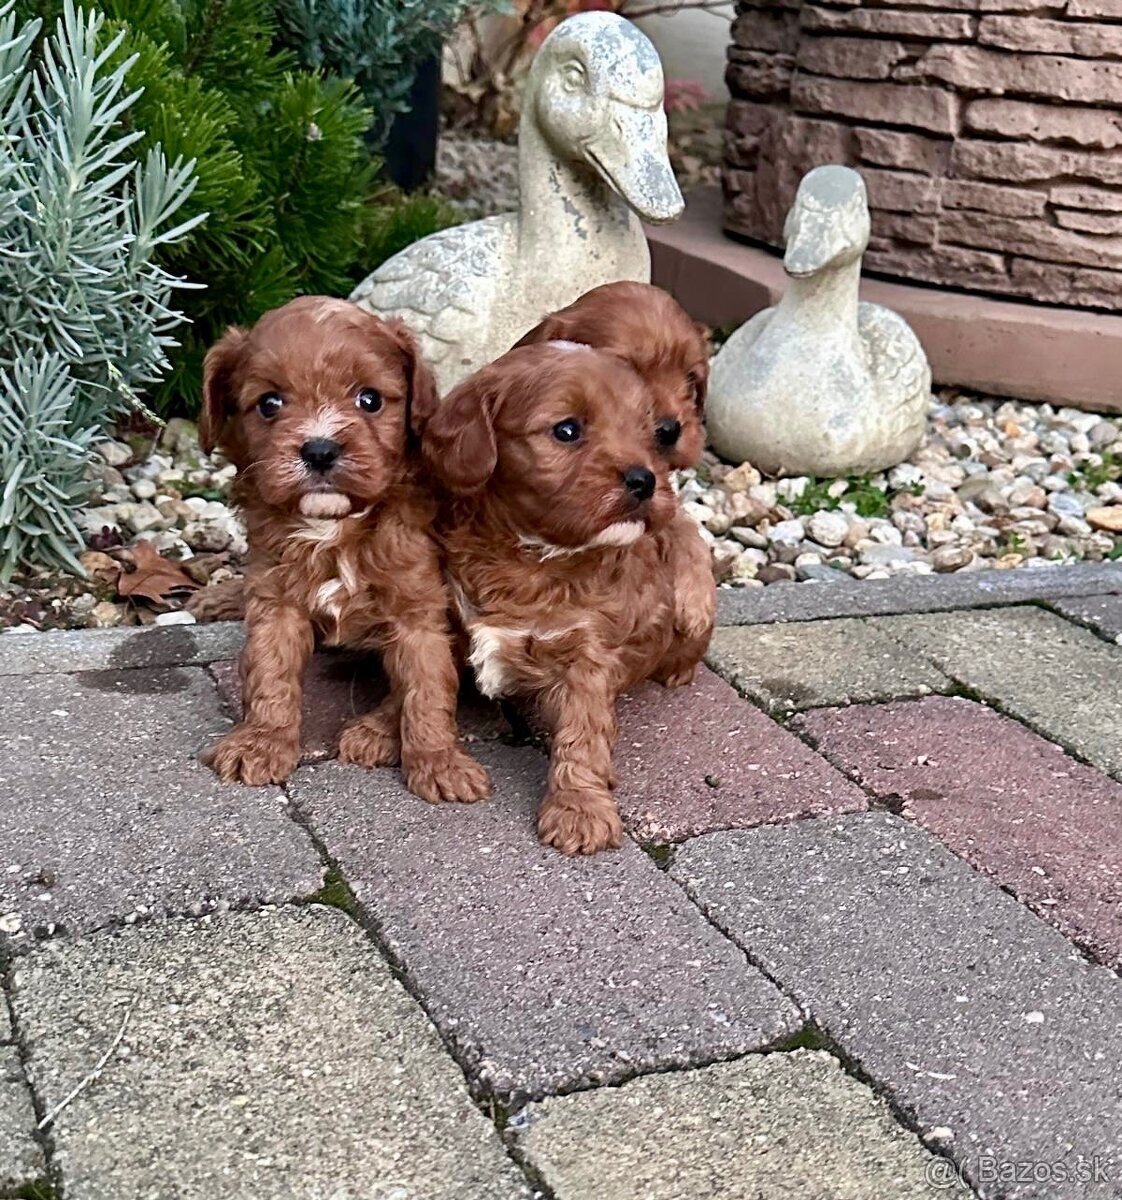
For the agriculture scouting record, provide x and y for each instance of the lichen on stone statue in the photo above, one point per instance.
(821, 384)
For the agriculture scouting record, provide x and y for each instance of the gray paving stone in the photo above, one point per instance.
(267, 1055)
(64, 651)
(544, 972)
(977, 1019)
(1053, 675)
(104, 810)
(21, 1160)
(791, 667)
(791, 1125)
(920, 593)
(1102, 613)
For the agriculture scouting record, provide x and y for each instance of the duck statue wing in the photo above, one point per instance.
(896, 360)
(439, 286)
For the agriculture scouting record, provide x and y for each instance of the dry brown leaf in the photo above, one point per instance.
(155, 577)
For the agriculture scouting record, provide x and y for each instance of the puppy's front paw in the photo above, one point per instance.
(250, 754)
(372, 741)
(578, 822)
(447, 775)
(675, 676)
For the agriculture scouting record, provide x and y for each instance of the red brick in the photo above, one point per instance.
(850, 58)
(1090, 198)
(1094, 127)
(1032, 239)
(1012, 804)
(759, 76)
(949, 264)
(1029, 164)
(1048, 76)
(1111, 9)
(758, 30)
(1053, 284)
(929, 108)
(745, 119)
(700, 758)
(993, 198)
(889, 23)
(903, 227)
(904, 151)
(901, 191)
(1085, 222)
(1036, 35)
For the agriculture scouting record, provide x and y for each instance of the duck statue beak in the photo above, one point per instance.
(635, 165)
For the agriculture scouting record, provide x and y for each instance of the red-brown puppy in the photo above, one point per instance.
(652, 332)
(557, 534)
(318, 405)
(655, 335)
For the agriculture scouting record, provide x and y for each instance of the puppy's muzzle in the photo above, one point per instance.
(640, 483)
(320, 454)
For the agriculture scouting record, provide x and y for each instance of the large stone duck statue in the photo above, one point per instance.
(821, 384)
(592, 164)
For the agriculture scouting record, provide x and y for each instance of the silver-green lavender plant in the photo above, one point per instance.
(85, 314)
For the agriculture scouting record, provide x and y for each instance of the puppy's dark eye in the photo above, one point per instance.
(568, 430)
(368, 400)
(667, 432)
(270, 404)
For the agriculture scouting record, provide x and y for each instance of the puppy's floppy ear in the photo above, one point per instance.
(422, 399)
(220, 368)
(552, 329)
(701, 372)
(458, 442)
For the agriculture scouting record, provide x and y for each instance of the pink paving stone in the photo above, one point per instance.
(340, 686)
(1009, 802)
(700, 758)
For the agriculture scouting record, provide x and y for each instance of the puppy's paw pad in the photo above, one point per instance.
(448, 776)
(371, 741)
(253, 756)
(580, 823)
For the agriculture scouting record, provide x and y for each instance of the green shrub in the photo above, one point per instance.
(377, 43)
(87, 316)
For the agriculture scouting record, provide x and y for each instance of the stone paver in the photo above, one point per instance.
(791, 1125)
(1102, 613)
(1056, 676)
(915, 594)
(339, 686)
(700, 758)
(104, 810)
(791, 667)
(21, 1160)
(1001, 797)
(66, 651)
(974, 1015)
(545, 972)
(267, 1055)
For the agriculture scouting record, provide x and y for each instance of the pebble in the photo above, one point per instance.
(828, 528)
(996, 483)
(116, 454)
(175, 618)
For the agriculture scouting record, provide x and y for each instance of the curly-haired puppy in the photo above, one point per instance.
(317, 405)
(655, 335)
(558, 529)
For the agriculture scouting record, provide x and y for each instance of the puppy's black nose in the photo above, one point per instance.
(321, 454)
(639, 482)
